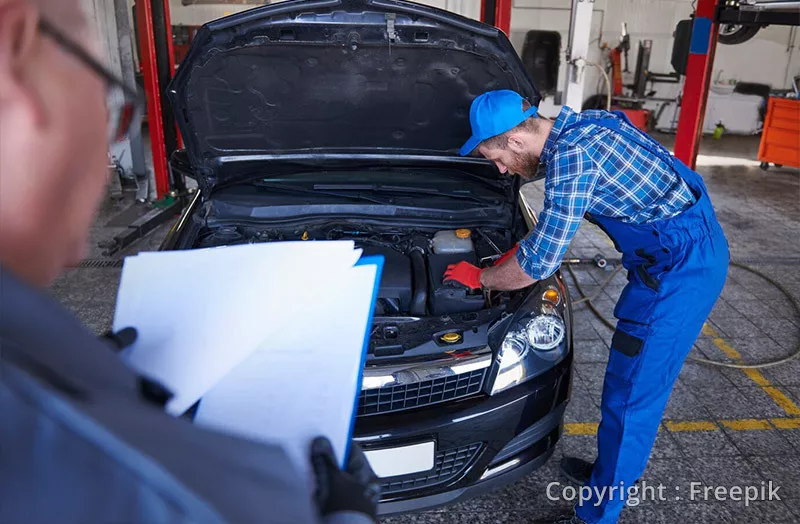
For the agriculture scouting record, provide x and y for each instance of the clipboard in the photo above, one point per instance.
(377, 261)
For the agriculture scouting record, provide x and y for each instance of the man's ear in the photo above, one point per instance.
(19, 37)
(516, 143)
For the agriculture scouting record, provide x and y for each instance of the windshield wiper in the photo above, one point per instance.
(293, 189)
(379, 188)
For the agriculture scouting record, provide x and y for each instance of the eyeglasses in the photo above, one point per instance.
(124, 105)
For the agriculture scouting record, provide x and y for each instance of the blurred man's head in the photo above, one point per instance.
(53, 139)
(507, 130)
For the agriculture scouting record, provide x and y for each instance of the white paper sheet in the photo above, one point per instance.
(303, 381)
(200, 313)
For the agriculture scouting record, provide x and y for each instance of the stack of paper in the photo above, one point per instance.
(270, 338)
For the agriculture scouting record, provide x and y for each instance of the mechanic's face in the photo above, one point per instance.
(512, 160)
(53, 143)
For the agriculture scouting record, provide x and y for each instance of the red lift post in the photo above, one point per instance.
(698, 77)
(158, 65)
(156, 58)
(498, 14)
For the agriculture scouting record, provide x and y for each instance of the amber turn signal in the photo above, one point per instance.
(552, 296)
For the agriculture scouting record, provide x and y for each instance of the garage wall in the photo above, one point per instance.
(102, 20)
(764, 59)
(200, 14)
(468, 8)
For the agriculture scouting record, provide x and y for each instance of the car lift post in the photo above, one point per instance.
(580, 24)
(705, 31)
(698, 77)
(149, 21)
(498, 14)
(158, 65)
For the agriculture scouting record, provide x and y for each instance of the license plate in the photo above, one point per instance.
(391, 462)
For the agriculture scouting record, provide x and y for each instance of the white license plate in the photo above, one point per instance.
(391, 462)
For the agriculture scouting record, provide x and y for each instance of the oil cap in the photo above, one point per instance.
(463, 233)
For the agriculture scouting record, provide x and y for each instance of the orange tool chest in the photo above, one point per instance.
(780, 140)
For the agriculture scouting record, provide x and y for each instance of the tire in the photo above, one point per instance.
(732, 34)
(764, 165)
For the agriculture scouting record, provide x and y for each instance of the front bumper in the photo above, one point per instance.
(482, 443)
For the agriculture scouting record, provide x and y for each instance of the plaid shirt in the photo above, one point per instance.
(593, 169)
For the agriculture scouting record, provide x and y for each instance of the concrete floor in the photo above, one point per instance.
(722, 427)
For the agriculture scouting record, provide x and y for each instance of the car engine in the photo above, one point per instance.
(414, 261)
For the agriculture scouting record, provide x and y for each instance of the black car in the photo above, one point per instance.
(342, 119)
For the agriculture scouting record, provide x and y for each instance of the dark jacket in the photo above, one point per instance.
(80, 443)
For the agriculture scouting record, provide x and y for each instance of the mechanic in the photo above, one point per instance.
(659, 215)
(83, 439)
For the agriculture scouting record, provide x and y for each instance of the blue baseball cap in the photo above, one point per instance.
(493, 114)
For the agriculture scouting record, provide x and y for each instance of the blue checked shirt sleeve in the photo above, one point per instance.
(570, 182)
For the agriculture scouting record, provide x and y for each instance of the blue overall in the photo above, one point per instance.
(676, 270)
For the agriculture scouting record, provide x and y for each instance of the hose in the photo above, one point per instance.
(603, 284)
(419, 299)
(608, 83)
(786, 293)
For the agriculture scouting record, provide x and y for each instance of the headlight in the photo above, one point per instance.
(545, 333)
(533, 344)
(514, 348)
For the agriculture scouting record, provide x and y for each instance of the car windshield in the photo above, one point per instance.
(380, 193)
(441, 183)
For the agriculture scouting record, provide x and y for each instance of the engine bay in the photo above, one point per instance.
(414, 261)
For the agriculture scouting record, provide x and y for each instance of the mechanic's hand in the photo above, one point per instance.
(464, 273)
(121, 339)
(505, 256)
(355, 489)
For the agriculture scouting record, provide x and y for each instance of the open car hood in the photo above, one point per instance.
(335, 77)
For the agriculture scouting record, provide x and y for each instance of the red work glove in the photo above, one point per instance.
(464, 273)
(505, 256)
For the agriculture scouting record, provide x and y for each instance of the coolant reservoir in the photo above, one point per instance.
(452, 241)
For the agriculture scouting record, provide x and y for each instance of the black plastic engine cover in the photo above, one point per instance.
(394, 295)
(450, 297)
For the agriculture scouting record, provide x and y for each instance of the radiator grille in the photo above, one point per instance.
(389, 399)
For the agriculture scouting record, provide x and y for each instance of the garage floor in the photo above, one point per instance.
(722, 427)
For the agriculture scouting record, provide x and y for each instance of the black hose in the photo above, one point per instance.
(796, 307)
(419, 299)
(608, 324)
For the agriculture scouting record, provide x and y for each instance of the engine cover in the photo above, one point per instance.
(394, 295)
(450, 298)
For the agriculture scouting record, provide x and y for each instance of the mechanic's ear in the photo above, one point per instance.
(516, 143)
(19, 38)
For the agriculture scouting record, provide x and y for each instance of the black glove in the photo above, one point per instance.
(355, 489)
(151, 390)
(121, 339)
